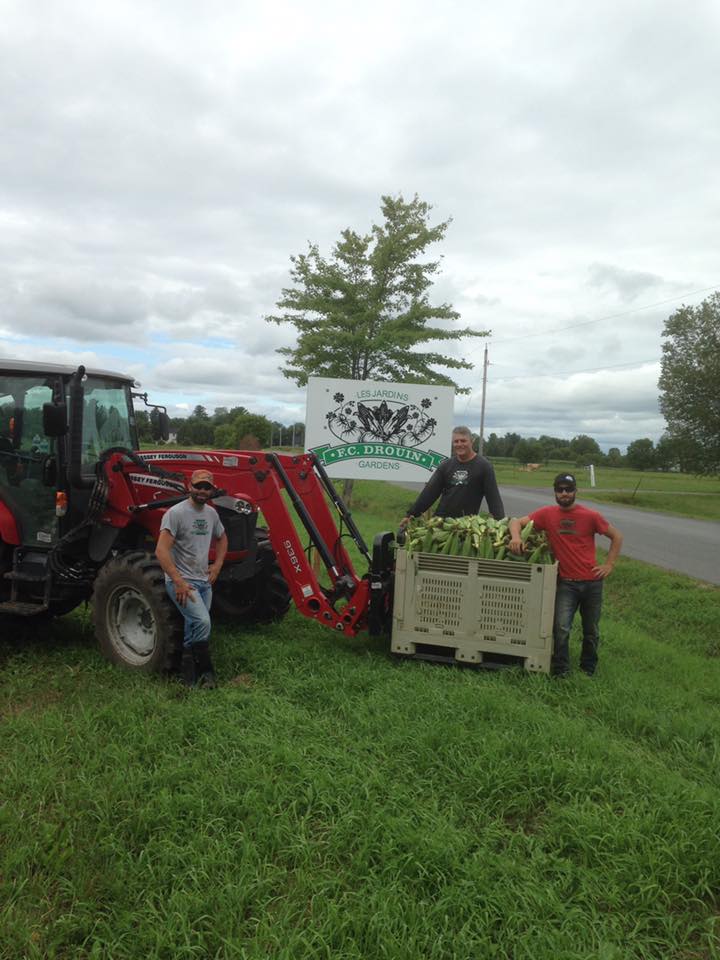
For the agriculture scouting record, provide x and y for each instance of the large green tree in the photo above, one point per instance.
(142, 422)
(243, 428)
(690, 382)
(641, 454)
(365, 313)
(196, 430)
(583, 445)
(528, 451)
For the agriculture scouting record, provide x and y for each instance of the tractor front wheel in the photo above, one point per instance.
(136, 622)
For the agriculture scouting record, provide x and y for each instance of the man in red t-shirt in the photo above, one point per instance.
(571, 530)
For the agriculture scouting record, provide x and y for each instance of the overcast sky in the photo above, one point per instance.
(160, 163)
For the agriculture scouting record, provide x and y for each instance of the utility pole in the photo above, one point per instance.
(481, 442)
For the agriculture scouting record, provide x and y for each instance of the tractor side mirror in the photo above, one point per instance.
(159, 424)
(54, 419)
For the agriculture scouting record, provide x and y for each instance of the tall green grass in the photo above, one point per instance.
(681, 494)
(328, 801)
(609, 478)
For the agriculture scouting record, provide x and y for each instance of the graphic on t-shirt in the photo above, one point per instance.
(200, 526)
(459, 478)
(567, 525)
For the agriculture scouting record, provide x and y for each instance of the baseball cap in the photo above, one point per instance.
(564, 480)
(202, 476)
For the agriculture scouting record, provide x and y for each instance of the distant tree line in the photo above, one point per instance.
(670, 453)
(226, 428)
(235, 428)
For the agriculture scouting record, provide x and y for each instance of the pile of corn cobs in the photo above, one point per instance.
(479, 536)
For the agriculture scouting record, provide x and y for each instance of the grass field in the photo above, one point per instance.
(678, 493)
(329, 802)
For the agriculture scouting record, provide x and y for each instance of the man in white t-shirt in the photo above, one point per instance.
(187, 532)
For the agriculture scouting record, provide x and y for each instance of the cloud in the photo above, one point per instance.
(612, 406)
(73, 306)
(628, 284)
(158, 169)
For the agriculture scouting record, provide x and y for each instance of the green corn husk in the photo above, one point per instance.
(477, 537)
(449, 545)
(427, 541)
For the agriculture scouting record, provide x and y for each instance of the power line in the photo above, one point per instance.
(585, 323)
(570, 373)
(612, 316)
(564, 373)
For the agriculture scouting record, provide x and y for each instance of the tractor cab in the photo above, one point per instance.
(55, 423)
(51, 437)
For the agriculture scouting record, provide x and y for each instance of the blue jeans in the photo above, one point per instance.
(196, 612)
(571, 594)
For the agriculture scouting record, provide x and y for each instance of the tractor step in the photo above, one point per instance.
(26, 577)
(23, 609)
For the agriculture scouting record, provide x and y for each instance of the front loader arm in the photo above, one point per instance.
(344, 607)
(266, 481)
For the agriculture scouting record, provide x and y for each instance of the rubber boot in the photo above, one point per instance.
(188, 668)
(204, 669)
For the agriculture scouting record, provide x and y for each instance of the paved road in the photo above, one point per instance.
(674, 543)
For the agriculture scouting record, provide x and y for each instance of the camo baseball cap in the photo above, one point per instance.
(202, 476)
(564, 480)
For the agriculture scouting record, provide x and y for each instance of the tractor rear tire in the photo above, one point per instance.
(264, 598)
(136, 623)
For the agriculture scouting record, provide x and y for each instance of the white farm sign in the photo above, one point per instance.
(367, 429)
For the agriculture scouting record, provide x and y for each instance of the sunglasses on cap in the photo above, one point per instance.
(203, 485)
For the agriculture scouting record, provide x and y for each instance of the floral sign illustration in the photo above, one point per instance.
(403, 423)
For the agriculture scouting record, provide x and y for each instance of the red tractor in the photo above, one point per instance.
(80, 512)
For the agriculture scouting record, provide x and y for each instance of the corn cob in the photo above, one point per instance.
(476, 537)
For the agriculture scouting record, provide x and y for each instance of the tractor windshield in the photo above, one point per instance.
(108, 420)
